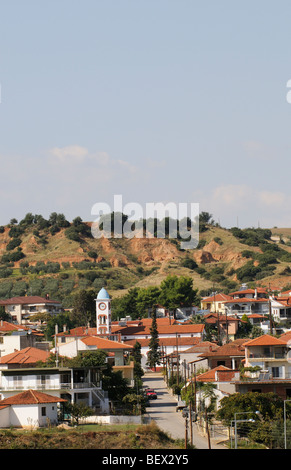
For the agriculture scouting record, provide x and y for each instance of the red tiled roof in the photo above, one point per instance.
(182, 341)
(216, 298)
(234, 348)
(286, 292)
(286, 336)
(162, 330)
(202, 347)
(102, 343)
(213, 317)
(244, 300)
(144, 322)
(5, 326)
(25, 356)
(209, 376)
(30, 397)
(257, 315)
(79, 331)
(260, 290)
(265, 340)
(22, 300)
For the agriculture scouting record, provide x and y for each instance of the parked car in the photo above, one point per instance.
(151, 394)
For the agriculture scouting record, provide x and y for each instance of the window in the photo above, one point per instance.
(43, 411)
(220, 363)
(276, 372)
(43, 380)
(267, 352)
(17, 380)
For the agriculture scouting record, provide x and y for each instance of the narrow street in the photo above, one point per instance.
(163, 411)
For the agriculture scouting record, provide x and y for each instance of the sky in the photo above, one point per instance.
(182, 101)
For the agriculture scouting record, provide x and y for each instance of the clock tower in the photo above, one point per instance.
(103, 313)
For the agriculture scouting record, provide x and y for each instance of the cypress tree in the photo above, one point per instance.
(154, 354)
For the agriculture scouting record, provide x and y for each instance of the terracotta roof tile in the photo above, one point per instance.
(260, 290)
(202, 347)
(216, 298)
(266, 340)
(209, 376)
(234, 348)
(240, 300)
(30, 397)
(162, 330)
(182, 341)
(25, 356)
(22, 300)
(5, 326)
(102, 343)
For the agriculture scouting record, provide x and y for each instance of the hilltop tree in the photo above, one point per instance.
(178, 292)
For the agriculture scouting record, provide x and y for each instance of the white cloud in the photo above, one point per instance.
(272, 199)
(71, 152)
(229, 203)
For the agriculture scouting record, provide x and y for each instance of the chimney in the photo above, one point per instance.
(64, 328)
(256, 293)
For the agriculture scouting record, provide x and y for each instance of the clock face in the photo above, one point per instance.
(102, 306)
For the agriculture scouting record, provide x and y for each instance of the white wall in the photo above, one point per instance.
(5, 417)
(29, 382)
(30, 415)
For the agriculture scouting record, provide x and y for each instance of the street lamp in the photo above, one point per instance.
(242, 421)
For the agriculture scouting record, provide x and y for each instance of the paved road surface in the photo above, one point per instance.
(163, 411)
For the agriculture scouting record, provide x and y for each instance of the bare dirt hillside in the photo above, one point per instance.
(123, 263)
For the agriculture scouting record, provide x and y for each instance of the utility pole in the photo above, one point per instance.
(186, 432)
(207, 429)
(270, 314)
(191, 421)
(195, 388)
(178, 372)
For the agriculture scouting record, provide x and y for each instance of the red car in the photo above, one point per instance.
(151, 394)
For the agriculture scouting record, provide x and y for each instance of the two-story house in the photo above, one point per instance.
(268, 366)
(20, 371)
(270, 354)
(215, 302)
(22, 308)
(248, 301)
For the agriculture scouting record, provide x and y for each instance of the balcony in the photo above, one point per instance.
(268, 356)
(49, 386)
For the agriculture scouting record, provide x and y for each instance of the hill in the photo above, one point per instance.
(40, 257)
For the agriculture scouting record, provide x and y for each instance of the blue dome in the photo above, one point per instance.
(103, 294)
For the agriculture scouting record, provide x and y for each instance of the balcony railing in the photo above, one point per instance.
(268, 356)
(50, 386)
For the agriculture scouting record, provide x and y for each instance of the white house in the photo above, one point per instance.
(93, 343)
(30, 408)
(77, 385)
(22, 308)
